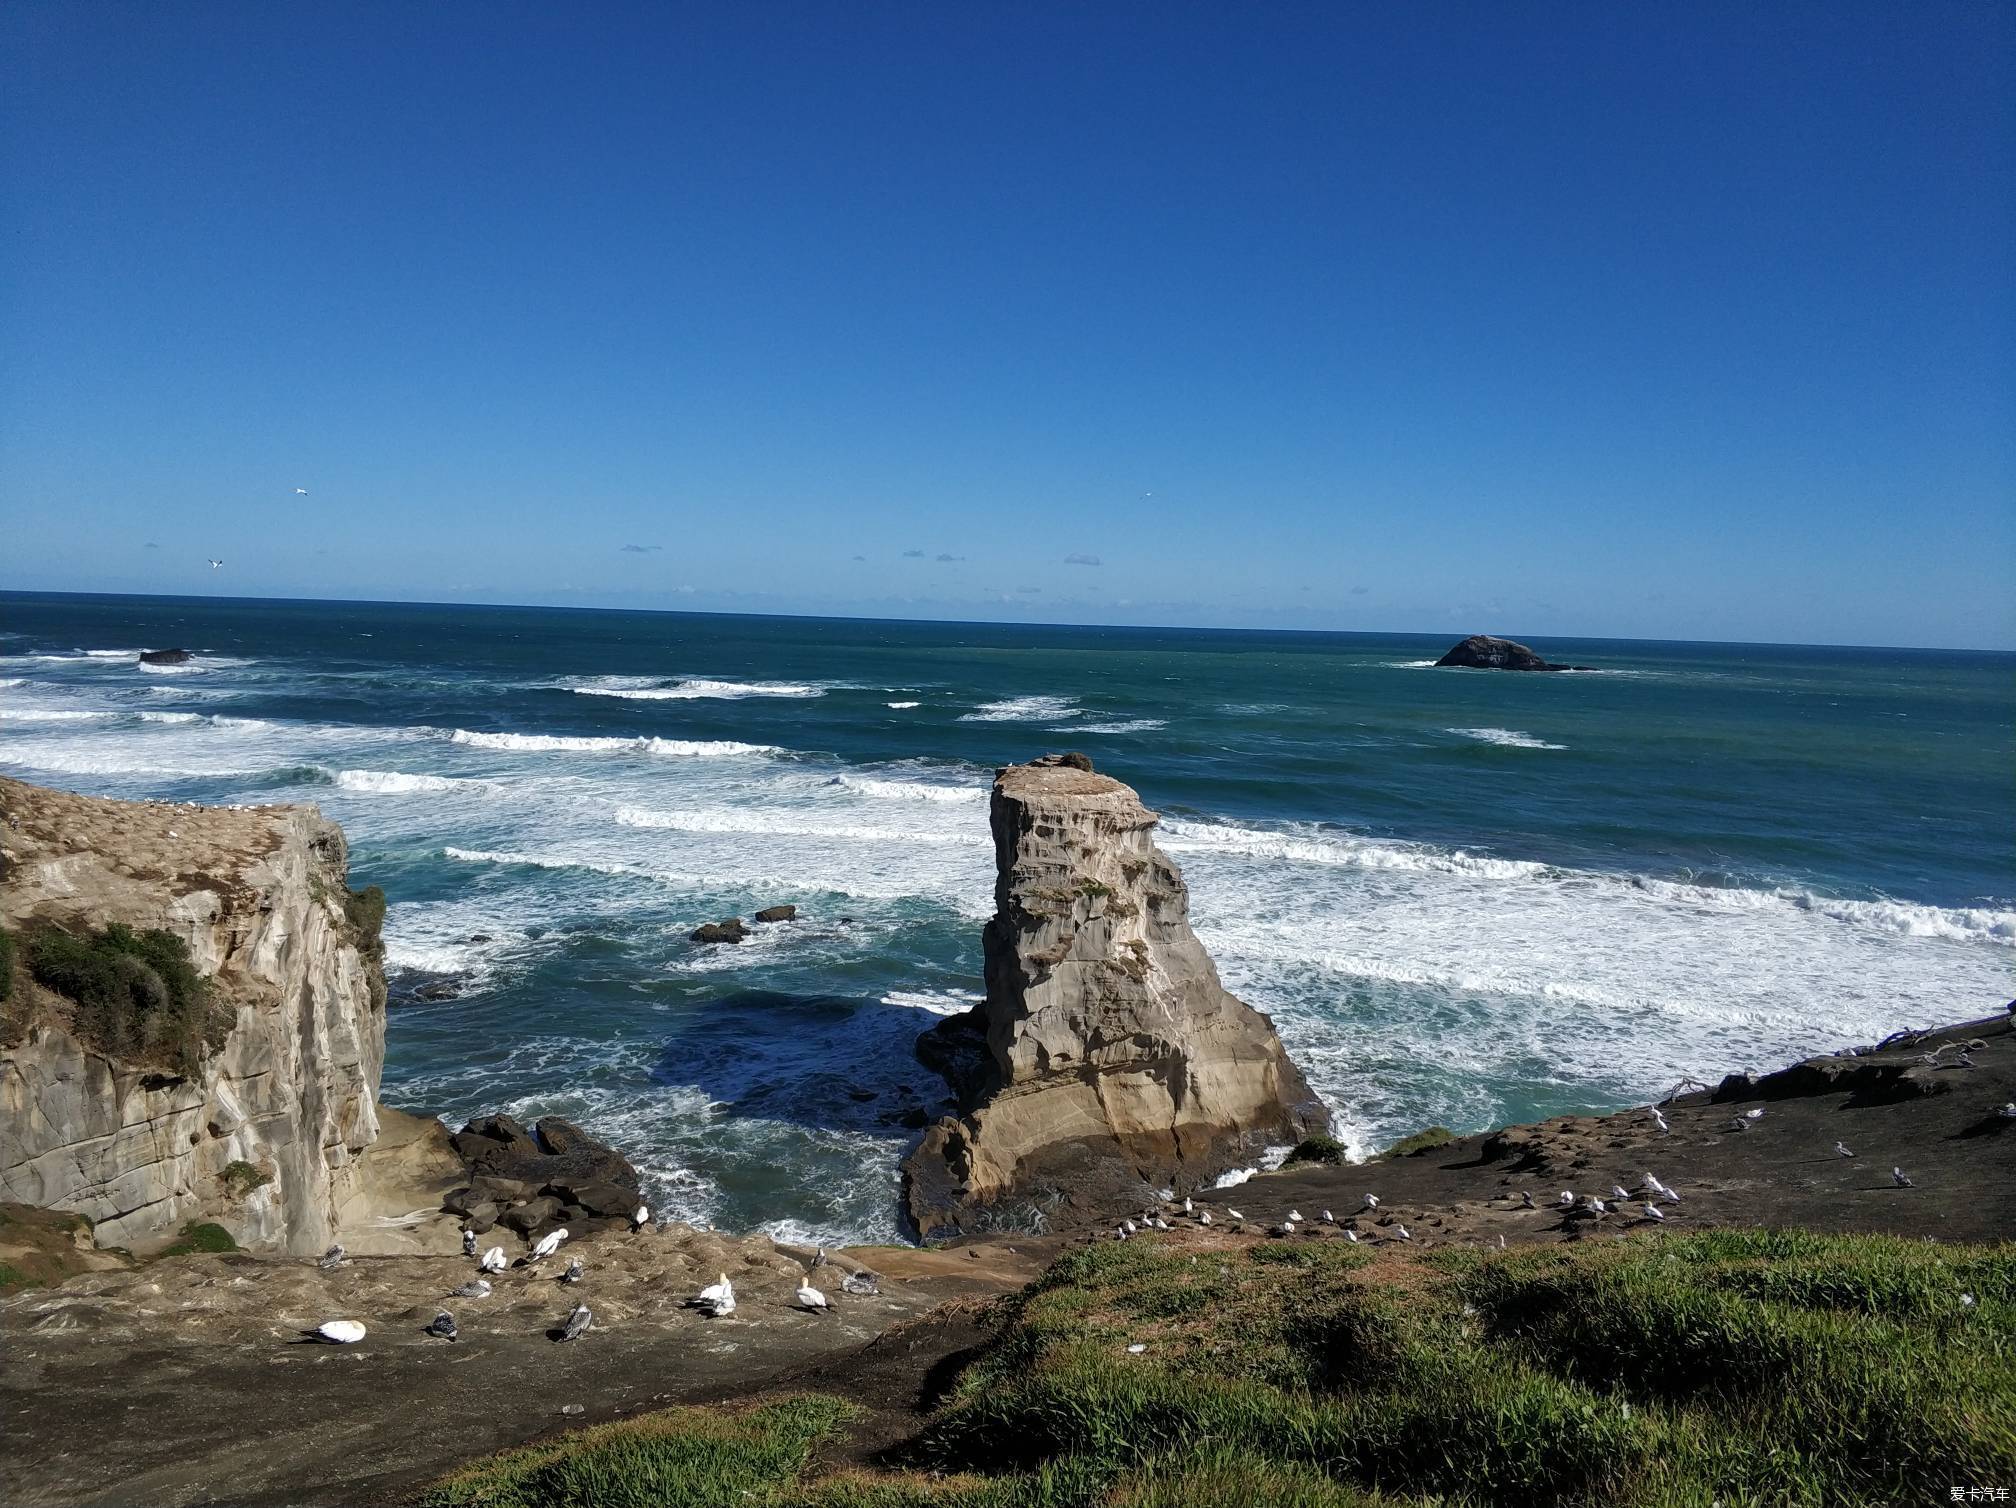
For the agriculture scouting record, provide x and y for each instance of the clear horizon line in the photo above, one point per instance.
(1368, 633)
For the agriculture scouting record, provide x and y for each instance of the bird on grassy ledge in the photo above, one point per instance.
(332, 1259)
(1401, 1233)
(812, 1299)
(1652, 1211)
(1294, 1217)
(576, 1324)
(1351, 1236)
(443, 1325)
(339, 1332)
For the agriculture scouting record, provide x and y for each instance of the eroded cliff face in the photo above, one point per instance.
(1113, 1056)
(264, 1134)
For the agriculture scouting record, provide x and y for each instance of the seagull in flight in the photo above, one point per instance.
(215, 565)
(300, 491)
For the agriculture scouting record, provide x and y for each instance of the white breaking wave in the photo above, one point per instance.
(189, 668)
(908, 790)
(395, 782)
(1306, 846)
(52, 715)
(1023, 709)
(786, 824)
(1126, 725)
(1507, 738)
(15, 680)
(937, 1002)
(1410, 664)
(899, 706)
(689, 690)
(544, 743)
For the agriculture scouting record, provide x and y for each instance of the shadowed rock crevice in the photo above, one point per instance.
(1113, 1058)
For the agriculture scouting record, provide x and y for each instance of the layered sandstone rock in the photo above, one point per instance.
(1113, 1057)
(263, 1134)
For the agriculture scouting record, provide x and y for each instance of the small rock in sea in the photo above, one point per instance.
(777, 914)
(164, 657)
(478, 937)
(731, 931)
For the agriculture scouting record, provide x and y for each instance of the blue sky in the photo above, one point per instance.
(1688, 321)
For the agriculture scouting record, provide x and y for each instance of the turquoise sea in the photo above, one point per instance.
(1465, 897)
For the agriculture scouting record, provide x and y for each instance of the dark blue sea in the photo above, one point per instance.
(1466, 897)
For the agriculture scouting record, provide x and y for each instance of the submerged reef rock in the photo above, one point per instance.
(193, 1018)
(164, 657)
(1106, 1056)
(1482, 652)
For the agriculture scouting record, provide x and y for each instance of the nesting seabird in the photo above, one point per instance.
(468, 1243)
(1526, 1200)
(1294, 1217)
(475, 1288)
(1897, 1176)
(493, 1260)
(640, 1217)
(1233, 1214)
(1351, 1236)
(716, 1299)
(1371, 1202)
(577, 1323)
(1567, 1200)
(812, 1299)
(340, 1332)
(1401, 1233)
(1619, 1192)
(548, 1244)
(862, 1284)
(1841, 1149)
(332, 1259)
(819, 1253)
(443, 1325)
(1652, 1211)
(1186, 1204)
(1203, 1217)
(574, 1272)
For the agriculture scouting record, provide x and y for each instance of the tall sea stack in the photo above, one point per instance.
(1106, 1058)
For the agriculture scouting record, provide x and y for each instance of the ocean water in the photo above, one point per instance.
(1464, 897)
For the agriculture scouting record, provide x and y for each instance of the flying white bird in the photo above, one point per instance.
(640, 1217)
(468, 1243)
(1652, 1211)
(548, 1244)
(215, 565)
(812, 1299)
(1841, 1149)
(1898, 1177)
(300, 491)
(475, 1288)
(576, 1324)
(493, 1260)
(340, 1332)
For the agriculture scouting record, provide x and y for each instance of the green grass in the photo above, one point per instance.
(12, 1278)
(241, 1178)
(135, 995)
(1319, 1148)
(201, 1238)
(1424, 1140)
(696, 1458)
(1745, 1368)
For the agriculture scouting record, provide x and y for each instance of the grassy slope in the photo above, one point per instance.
(1739, 1367)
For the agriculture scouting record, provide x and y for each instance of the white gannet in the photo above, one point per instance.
(443, 1325)
(1232, 1214)
(812, 1299)
(1754, 1115)
(548, 1244)
(468, 1243)
(475, 1288)
(1619, 1192)
(1128, 1227)
(1659, 1120)
(2008, 1111)
(1186, 1204)
(493, 1260)
(1371, 1202)
(332, 1259)
(1501, 1243)
(640, 1217)
(576, 1323)
(1567, 1199)
(1652, 1211)
(716, 1299)
(1401, 1233)
(1841, 1149)
(215, 565)
(1351, 1236)
(300, 491)
(1294, 1217)
(1898, 1177)
(1203, 1217)
(340, 1332)
(1328, 1218)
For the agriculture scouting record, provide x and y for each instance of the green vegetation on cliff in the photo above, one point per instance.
(1739, 1367)
(135, 995)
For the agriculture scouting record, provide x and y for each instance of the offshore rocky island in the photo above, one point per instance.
(194, 1028)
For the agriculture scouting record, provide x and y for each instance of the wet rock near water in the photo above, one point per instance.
(733, 930)
(1483, 652)
(532, 1181)
(165, 657)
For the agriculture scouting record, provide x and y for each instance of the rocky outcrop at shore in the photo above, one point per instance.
(259, 1123)
(1106, 1057)
(165, 657)
(1482, 652)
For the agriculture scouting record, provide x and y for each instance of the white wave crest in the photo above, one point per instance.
(908, 790)
(52, 715)
(1125, 725)
(398, 783)
(189, 668)
(15, 680)
(1023, 709)
(1306, 846)
(1505, 738)
(690, 690)
(899, 706)
(544, 743)
(786, 824)
(937, 1002)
